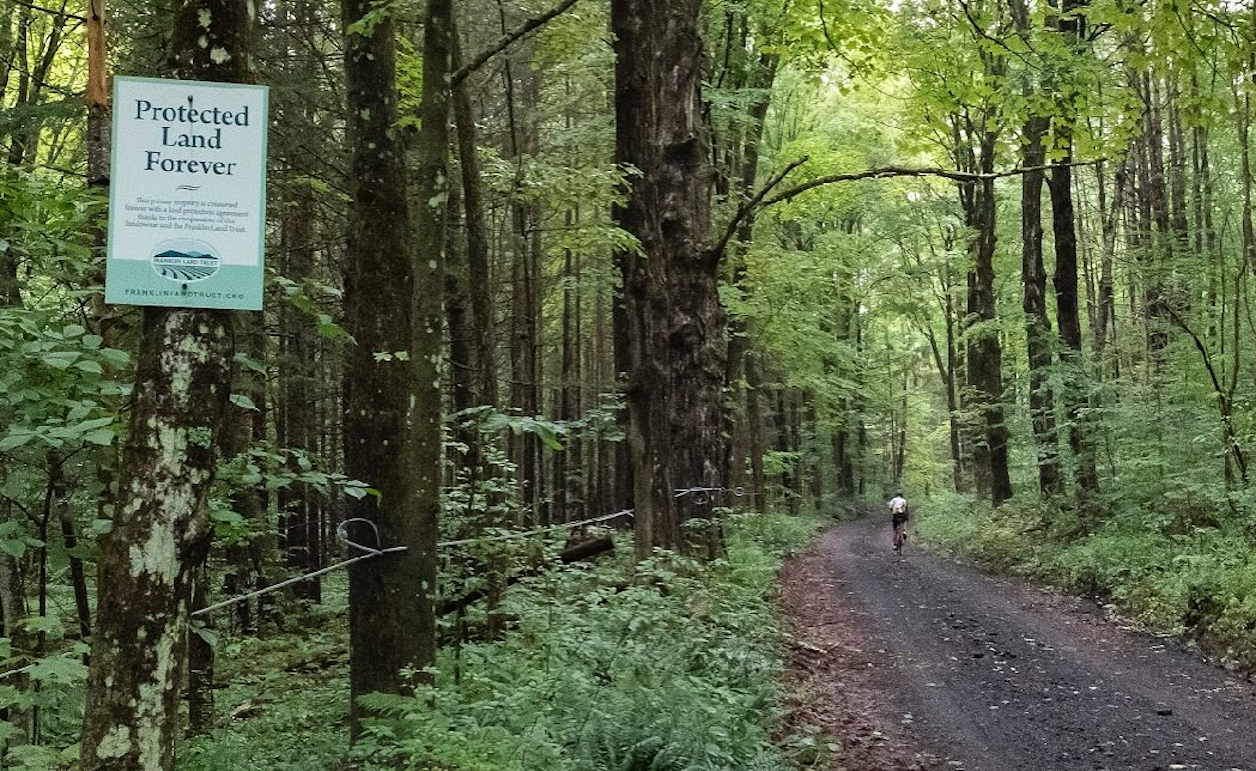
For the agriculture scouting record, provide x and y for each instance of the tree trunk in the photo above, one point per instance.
(1106, 316)
(676, 326)
(138, 646)
(1069, 316)
(479, 282)
(462, 375)
(1064, 227)
(161, 527)
(985, 352)
(298, 504)
(390, 614)
(1037, 323)
(525, 391)
(13, 613)
(755, 428)
(200, 660)
(952, 386)
(416, 576)
(739, 341)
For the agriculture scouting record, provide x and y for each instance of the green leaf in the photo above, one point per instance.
(101, 436)
(15, 440)
(87, 365)
(226, 516)
(59, 359)
(251, 364)
(115, 357)
(205, 633)
(59, 669)
(243, 402)
(13, 547)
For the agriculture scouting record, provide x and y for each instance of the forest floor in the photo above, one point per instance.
(917, 663)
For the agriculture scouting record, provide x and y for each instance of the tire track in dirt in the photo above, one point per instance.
(918, 663)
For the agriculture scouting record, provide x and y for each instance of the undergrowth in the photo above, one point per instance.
(1174, 575)
(670, 664)
(284, 700)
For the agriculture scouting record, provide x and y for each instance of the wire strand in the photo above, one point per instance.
(370, 553)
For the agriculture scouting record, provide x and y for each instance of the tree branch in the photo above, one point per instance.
(887, 172)
(506, 40)
(749, 206)
(50, 11)
(977, 28)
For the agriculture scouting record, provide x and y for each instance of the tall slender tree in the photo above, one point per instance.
(387, 616)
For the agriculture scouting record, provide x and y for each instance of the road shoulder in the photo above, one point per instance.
(832, 682)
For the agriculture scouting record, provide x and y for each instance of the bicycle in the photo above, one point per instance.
(900, 535)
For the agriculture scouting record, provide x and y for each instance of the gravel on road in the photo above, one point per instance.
(916, 663)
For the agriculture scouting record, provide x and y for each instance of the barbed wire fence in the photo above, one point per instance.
(701, 495)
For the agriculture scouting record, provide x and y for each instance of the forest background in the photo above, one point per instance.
(1063, 386)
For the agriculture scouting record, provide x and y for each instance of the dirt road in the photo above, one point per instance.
(920, 663)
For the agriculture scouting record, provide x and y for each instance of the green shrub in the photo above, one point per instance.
(671, 668)
(671, 664)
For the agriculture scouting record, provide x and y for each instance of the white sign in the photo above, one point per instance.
(187, 199)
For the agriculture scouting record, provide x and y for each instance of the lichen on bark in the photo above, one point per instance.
(160, 535)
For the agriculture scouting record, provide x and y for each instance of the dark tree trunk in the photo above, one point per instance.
(298, 504)
(1158, 254)
(1069, 316)
(676, 326)
(1063, 220)
(479, 283)
(1038, 333)
(200, 660)
(248, 502)
(13, 613)
(985, 351)
(415, 578)
(78, 573)
(391, 622)
(458, 319)
(952, 386)
(567, 462)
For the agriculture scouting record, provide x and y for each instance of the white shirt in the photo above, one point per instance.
(898, 505)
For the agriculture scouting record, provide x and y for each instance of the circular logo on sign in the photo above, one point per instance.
(185, 260)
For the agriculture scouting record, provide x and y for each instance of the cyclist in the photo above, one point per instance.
(900, 513)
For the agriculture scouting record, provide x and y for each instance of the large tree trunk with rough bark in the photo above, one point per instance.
(160, 536)
(390, 617)
(676, 326)
(161, 529)
(415, 576)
